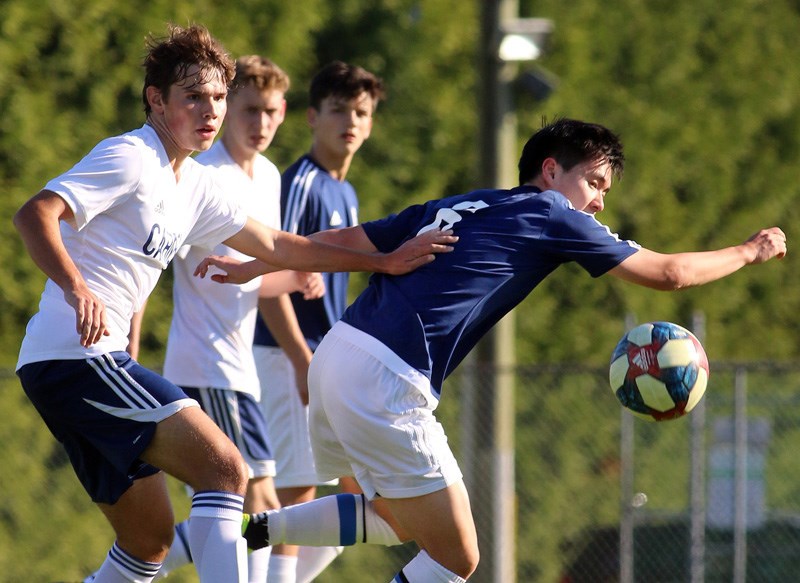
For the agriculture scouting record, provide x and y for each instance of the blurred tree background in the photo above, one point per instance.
(704, 98)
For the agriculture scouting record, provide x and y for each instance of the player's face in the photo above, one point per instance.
(585, 185)
(254, 116)
(341, 125)
(192, 113)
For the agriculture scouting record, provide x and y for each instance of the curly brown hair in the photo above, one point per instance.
(169, 59)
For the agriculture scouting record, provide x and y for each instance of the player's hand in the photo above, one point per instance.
(311, 285)
(418, 251)
(768, 243)
(90, 315)
(232, 270)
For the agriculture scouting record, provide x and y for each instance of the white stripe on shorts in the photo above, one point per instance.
(122, 384)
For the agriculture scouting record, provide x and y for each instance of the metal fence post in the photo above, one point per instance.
(740, 477)
(697, 478)
(626, 525)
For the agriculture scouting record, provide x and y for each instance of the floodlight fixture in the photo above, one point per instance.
(523, 39)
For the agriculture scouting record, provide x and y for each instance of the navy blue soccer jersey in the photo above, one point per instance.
(311, 201)
(509, 241)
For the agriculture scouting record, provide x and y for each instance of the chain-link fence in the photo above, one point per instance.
(596, 495)
(602, 496)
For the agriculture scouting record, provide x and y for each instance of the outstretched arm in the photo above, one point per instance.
(38, 224)
(679, 270)
(277, 283)
(351, 251)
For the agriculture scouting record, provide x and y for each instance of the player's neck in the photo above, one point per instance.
(337, 166)
(175, 153)
(246, 160)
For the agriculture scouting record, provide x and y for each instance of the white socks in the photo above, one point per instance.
(331, 521)
(258, 563)
(311, 561)
(304, 568)
(120, 567)
(423, 569)
(215, 537)
(282, 569)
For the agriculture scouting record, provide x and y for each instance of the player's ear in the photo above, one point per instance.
(549, 167)
(155, 98)
(311, 116)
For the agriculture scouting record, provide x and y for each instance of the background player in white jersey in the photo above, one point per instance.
(315, 196)
(376, 378)
(210, 345)
(102, 232)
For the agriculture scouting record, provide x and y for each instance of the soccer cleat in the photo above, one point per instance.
(255, 530)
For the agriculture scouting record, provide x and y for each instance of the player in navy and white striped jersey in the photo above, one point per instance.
(376, 378)
(103, 232)
(315, 196)
(313, 199)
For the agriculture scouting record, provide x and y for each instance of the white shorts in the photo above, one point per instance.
(372, 416)
(287, 420)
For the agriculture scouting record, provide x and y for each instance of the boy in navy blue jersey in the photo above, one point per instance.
(315, 196)
(376, 378)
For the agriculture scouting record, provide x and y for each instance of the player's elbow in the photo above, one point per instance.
(25, 221)
(656, 271)
(675, 276)
(21, 217)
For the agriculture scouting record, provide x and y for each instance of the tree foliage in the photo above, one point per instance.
(705, 99)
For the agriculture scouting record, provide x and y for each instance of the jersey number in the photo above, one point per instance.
(446, 218)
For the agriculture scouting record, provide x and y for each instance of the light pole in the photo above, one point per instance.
(505, 41)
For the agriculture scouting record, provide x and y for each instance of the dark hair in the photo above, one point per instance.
(260, 72)
(169, 59)
(570, 142)
(343, 80)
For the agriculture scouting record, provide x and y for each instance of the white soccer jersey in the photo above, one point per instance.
(131, 217)
(211, 337)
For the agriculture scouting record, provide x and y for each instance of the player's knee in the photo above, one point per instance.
(237, 472)
(465, 566)
(261, 495)
(226, 471)
(471, 560)
(465, 562)
(462, 561)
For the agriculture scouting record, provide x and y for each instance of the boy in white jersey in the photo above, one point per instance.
(209, 350)
(102, 233)
(376, 378)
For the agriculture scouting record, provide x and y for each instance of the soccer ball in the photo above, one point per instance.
(659, 371)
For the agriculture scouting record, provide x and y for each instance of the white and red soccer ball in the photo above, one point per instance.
(659, 371)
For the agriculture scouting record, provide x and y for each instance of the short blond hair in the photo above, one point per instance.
(260, 72)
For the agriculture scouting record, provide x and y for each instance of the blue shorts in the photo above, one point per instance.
(240, 417)
(104, 410)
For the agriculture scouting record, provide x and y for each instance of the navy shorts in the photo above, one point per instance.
(104, 410)
(240, 417)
